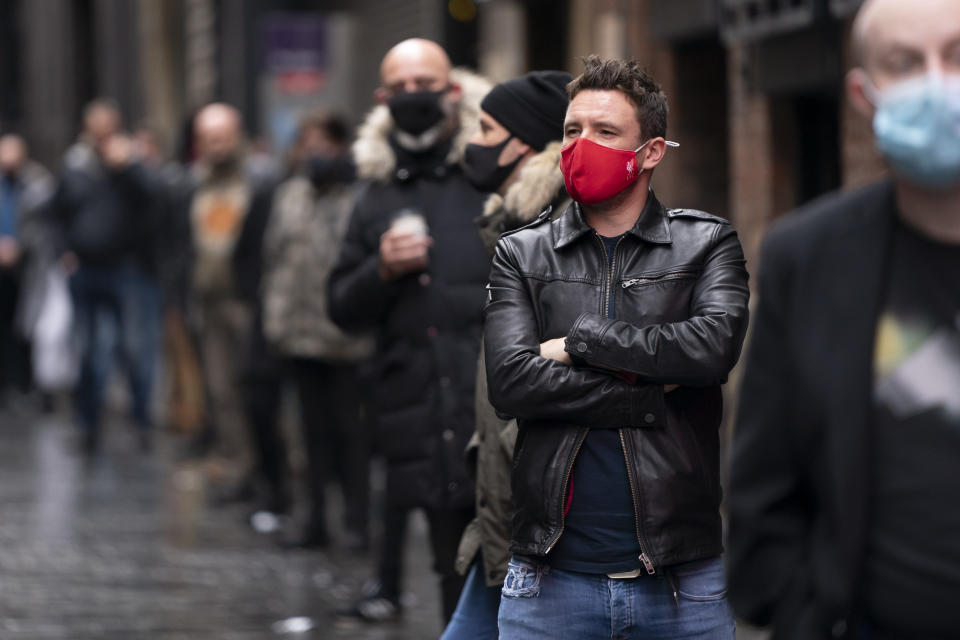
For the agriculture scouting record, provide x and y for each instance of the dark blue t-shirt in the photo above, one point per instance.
(600, 534)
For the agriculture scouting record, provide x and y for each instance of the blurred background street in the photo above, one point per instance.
(126, 547)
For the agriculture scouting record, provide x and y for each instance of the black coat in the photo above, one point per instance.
(427, 325)
(680, 289)
(801, 468)
(103, 216)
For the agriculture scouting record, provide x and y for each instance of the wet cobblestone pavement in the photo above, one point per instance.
(124, 547)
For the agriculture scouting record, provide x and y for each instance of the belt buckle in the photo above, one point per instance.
(625, 575)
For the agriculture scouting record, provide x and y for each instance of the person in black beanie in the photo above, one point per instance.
(516, 156)
(518, 121)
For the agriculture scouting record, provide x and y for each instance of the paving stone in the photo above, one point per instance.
(124, 546)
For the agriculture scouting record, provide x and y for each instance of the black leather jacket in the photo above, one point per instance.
(680, 292)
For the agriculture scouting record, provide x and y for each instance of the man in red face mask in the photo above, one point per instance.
(608, 334)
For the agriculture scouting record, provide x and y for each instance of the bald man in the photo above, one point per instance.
(844, 518)
(226, 211)
(413, 270)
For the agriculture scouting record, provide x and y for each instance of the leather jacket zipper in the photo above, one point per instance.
(626, 284)
(605, 291)
(644, 558)
(566, 485)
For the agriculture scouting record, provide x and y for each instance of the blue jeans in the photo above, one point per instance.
(116, 309)
(540, 602)
(146, 334)
(475, 617)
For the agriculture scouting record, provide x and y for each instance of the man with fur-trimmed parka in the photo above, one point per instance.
(413, 270)
(516, 156)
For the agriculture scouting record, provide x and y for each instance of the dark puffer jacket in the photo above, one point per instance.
(100, 214)
(428, 325)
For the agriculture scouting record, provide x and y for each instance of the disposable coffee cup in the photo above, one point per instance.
(410, 221)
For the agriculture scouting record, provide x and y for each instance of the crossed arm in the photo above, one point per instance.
(536, 381)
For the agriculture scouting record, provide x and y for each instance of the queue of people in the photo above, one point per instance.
(483, 289)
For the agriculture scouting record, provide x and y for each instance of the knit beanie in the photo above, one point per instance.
(531, 107)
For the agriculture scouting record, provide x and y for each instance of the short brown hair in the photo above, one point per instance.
(628, 77)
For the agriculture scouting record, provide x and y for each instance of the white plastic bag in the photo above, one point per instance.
(55, 362)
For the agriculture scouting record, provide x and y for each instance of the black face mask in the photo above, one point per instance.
(481, 168)
(417, 111)
(327, 170)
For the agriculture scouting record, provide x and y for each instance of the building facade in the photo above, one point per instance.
(756, 86)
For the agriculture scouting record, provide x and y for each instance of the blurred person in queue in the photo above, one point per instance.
(25, 189)
(103, 210)
(516, 156)
(226, 213)
(608, 334)
(309, 217)
(413, 269)
(844, 485)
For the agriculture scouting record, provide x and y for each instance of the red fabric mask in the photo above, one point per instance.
(594, 173)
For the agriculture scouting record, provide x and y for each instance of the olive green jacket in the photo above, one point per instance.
(489, 454)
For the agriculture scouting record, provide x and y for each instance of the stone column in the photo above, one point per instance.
(159, 70)
(50, 105)
(503, 40)
(116, 35)
(200, 63)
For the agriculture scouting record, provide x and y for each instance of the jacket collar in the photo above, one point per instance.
(652, 226)
(539, 185)
(376, 157)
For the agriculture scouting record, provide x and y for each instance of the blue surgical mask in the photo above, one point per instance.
(917, 128)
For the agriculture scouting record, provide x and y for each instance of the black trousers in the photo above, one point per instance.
(336, 437)
(14, 350)
(446, 528)
(262, 395)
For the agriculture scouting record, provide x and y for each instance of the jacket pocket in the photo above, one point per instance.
(523, 578)
(658, 278)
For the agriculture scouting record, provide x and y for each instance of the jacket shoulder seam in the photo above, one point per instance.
(540, 219)
(695, 213)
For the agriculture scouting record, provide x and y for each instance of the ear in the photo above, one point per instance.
(522, 148)
(381, 95)
(858, 87)
(654, 152)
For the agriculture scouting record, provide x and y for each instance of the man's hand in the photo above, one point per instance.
(69, 263)
(553, 350)
(117, 152)
(9, 252)
(402, 252)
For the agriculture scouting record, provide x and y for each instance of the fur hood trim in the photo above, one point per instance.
(536, 187)
(371, 151)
